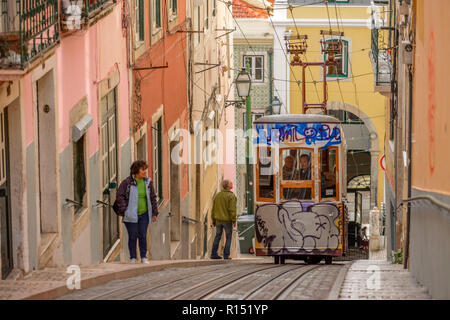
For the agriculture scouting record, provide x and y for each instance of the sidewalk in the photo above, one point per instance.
(378, 279)
(50, 283)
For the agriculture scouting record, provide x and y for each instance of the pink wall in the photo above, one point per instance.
(85, 59)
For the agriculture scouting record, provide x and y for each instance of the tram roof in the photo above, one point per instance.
(296, 118)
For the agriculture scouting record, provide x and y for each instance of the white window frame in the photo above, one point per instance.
(253, 57)
(137, 23)
(348, 66)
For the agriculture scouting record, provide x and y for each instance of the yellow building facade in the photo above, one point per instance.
(350, 91)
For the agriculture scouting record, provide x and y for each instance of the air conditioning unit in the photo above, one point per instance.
(407, 50)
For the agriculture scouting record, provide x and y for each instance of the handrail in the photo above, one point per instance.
(429, 198)
(186, 219)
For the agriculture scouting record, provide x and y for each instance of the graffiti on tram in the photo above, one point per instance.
(295, 227)
(309, 133)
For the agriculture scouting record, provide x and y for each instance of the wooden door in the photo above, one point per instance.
(5, 206)
(109, 170)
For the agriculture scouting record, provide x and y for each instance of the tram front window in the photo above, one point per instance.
(296, 167)
(328, 175)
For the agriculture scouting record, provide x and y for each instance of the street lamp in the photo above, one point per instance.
(243, 83)
(275, 107)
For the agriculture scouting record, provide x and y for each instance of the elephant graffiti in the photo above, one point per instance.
(297, 227)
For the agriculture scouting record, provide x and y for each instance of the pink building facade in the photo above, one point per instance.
(65, 113)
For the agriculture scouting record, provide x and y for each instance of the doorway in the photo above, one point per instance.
(175, 210)
(46, 145)
(5, 205)
(109, 169)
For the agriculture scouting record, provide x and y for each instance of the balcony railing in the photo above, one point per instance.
(28, 28)
(75, 14)
(380, 53)
(95, 5)
(381, 60)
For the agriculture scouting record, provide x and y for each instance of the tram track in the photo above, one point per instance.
(203, 290)
(259, 290)
(246, 281)
(149, 279)
(233, 276)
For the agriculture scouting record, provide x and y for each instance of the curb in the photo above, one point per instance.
(336, 289)
(62, 289)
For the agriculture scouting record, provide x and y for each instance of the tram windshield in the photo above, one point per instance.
(296, 169)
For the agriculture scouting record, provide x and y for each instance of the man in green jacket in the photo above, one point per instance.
(224, 217)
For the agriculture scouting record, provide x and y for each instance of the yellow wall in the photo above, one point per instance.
(431, 113)
(357, 91)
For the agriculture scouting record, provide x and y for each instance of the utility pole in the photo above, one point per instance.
(248, 158)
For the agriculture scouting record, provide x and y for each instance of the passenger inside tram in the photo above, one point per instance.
(289, 170)
(297, 166)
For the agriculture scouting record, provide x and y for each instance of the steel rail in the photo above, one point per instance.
(220, 284)
(135, 286)
(202, 275)
(287, 289)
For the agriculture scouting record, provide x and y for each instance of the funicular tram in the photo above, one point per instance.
(299, 186)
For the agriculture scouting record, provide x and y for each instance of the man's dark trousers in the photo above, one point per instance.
(220, 226)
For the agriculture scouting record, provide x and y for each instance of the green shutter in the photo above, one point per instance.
(158, 13)
(141, 20)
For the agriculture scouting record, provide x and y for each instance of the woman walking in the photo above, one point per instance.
(136, 202)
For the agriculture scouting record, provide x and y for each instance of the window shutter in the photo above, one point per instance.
(141, 20)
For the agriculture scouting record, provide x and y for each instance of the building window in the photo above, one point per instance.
(157, 159)
(79, 173)
(207, 14)
(392, 122)
(156, 15)
(254, 117)
(345, 117)
(139, 20)
(173, 9)
(341, 69)
(256, 66)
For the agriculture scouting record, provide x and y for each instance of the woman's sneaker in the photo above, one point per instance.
(133, 261)
(145, 261)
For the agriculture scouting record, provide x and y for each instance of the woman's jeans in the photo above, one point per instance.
(220, 226)
(138, 231)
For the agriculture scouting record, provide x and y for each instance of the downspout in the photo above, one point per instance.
(408, 212)
(270, 53)
(394, 107)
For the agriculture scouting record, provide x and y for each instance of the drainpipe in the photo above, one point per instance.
(408, 213)
(394, 106)
(270, 53)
